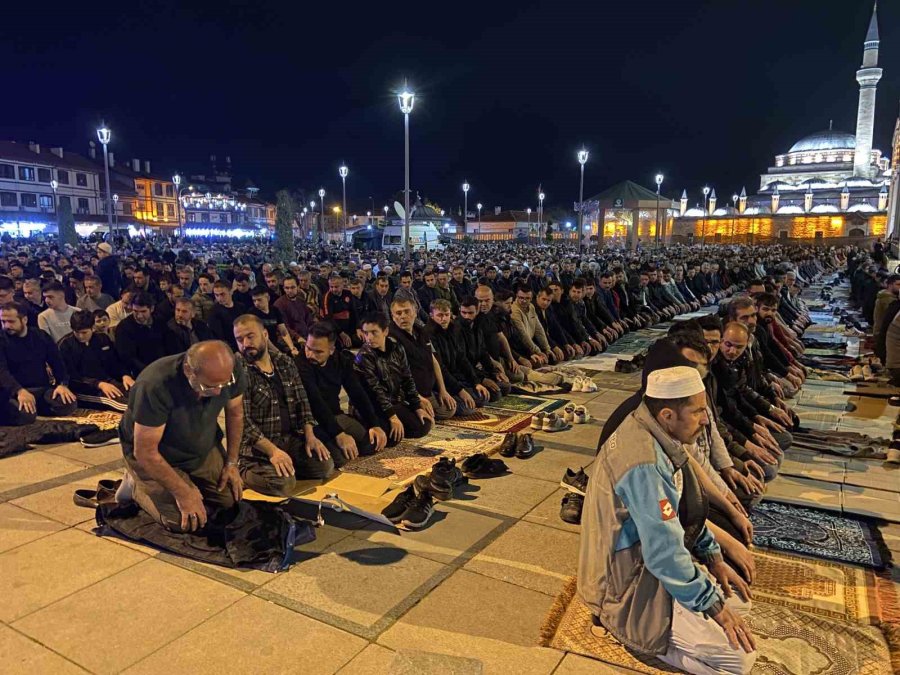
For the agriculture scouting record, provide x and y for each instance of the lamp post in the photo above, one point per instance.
(104, 135)
(528, 211)
(116, 211)
(311, 220)
(465, 187)
(734, 199)
(659, 180)
(320, 231)
(407, 100)
(582, 160)
(176, 180)
(541, 197)
(343, 171)
(478, 206)
(703, 229)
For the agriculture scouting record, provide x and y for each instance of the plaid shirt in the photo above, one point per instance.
(262, 414)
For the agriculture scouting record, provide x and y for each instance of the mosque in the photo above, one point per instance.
(829, 184)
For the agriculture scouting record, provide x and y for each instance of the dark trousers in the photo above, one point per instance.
(412, 425)
(46, 405)
(352, 427)
(258, 473)
(94, 399)
(462, 410)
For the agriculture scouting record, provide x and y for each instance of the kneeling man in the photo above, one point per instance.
(643, 520)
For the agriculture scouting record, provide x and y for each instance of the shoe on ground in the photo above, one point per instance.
(481, 466)
(569, 413)
(571, 507)
(580, 415)
(96, 439)
(537, 420)
(553, 423)
(588, 386)
(525, 446)
(446, 473)
(508, 449)
(395, 510)
(578, 383)
(419, 512)
(424, 483)
(575, 481)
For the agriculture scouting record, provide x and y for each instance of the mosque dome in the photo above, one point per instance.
(825, 140)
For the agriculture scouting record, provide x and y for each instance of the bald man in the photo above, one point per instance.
(176, 467)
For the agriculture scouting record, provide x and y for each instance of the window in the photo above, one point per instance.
(46, 201)
(8, 199)
(7, 171)
(65, 198)
(204, 217)
(29, 199)
(192, 217)
(158, 189)
(83, 204)
(159, 209)
(170, 210)
(170, 190)
(81, 179)
(26, 173)
(44, 175)
(223, 217)
(126, 209)
(62, 177)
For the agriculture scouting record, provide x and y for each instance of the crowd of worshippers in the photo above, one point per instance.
(875, 291)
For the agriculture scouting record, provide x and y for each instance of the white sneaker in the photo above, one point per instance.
(578, 383)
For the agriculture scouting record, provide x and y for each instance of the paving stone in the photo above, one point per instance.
(139, 602)
(547, 513)
(533, 556)
(412, 662)
(90, 526)
(34, 467)
(573, 664)
(830, 473)
(93, 456)
(804, 492)
(255, 636)
(580, 435)
(18, 526)
(890, 532)
(373, 660)
(451, 533)
(511, 495)
(354, 580)
(18, 654)
(472, 616)
(56, 503)
(871, 502)
(37, 574)
(549, 463)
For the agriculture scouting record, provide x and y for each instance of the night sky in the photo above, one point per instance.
(706, 92)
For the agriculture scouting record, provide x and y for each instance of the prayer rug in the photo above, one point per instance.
(818, 533)
(523, 403)
(413, 456)
(790, 642)
(492, 421)
(103, 419)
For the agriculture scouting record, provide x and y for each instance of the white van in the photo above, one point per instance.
(422, 237)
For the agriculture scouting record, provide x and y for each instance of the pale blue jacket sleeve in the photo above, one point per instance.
(662, 541)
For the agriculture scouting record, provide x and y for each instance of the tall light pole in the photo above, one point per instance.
(734, 200)
(386, 209)
(582, 160)
(320, 231)
(343, 171)
(104, 135)
(311, 220)
(659, 180)
(54, 185)
(116, 211)
(466, 188)
(407, 100)
(528, 211)
(703, 229)
(541, 197)
(176, 180)
(478, 206)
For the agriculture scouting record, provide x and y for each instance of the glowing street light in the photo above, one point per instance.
(734, 201)
(541, 197)
(478, 205)
(320, 230)
(466, 187)
(703, 229)
(54, 185)
(659, 182)
(582, 160)
(104, 135)
(344, 171)
(176, 180)
(407, 100)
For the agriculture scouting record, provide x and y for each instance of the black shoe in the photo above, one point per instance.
(395, 510)
(482, 466)
(575, 481)
(419, 512)
(570, 510)
(525, 446)
(508, 449)
(446, 473)
(95, 439)
(425, 484)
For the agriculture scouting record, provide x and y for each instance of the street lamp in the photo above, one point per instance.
(320, 231)
(582, 160)
(116, 211)
(343, 171)
(703, 229)
(528, 211)
(466, 188)
(659, 180)
(54, 185)
(104, 135)
(176, 180)
(407, 100)
(541, 197)
(734, 199)
(478, 205)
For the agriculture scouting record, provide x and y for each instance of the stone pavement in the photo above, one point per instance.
(466, 595)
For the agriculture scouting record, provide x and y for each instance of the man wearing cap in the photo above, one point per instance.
(108, 270)
(643, 523)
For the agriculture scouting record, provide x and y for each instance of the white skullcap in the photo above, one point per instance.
(677, 382)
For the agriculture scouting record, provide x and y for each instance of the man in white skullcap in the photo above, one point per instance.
(643, 523)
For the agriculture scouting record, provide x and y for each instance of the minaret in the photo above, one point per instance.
(868, 77)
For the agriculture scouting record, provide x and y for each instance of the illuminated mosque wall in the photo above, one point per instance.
(797, 226)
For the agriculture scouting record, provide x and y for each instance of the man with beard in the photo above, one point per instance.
(140, 340)
(777, 360)
(25, 388)
(561, 344)
(272, 321)
(337, 307)
(528, 328)
(443, 290)
(183, 330)
(226, 310)
(564, 312)
(380, 295)
(279, 444)
(295, 311)
(473, 342)
(203, 298)
(94, 298)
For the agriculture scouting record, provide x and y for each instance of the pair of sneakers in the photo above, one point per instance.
(573, 502)
(550, 422)
(584, 384)
(414, 506)
(575, 414)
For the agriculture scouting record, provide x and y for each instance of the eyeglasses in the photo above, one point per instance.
(204, 388)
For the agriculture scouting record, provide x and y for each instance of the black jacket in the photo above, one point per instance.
(564, 311)
(323, 386)
(139, 346)
(92, 363)
(177, 338)
(472, 341)
(419, 357)
(386, 377)
(451, 355)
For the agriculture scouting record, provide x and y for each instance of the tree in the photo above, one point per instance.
(66, 223)
(549, 234)
(284, 226)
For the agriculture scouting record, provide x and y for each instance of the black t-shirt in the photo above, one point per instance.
(284, 412)
(270, 322)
